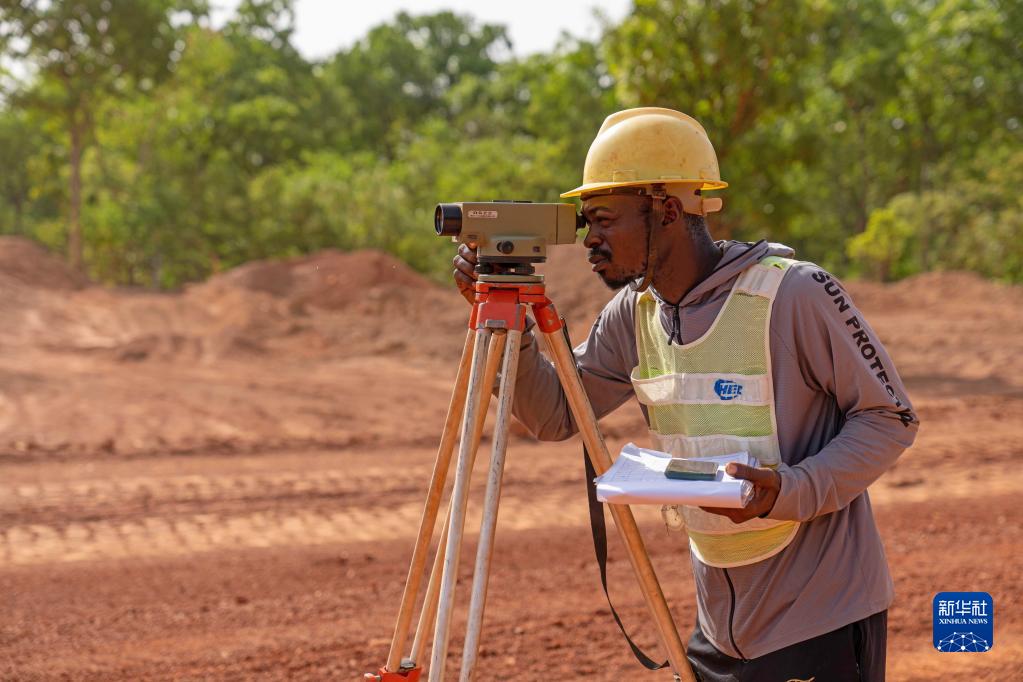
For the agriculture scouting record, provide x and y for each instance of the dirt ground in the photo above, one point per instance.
(225, 482)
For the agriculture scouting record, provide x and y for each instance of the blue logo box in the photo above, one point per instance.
(964, 622)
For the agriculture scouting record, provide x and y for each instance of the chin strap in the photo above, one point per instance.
(692, 203)
(655, 221)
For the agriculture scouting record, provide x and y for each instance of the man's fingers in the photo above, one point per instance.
(742, 471)
(465, 260)
(465, 268)
(767, 483)
(465, 286)
(464, 271)
(757, 475)
(468, 253)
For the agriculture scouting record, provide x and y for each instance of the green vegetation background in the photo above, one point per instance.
(881, 138)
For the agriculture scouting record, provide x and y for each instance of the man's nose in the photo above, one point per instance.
(592, 238)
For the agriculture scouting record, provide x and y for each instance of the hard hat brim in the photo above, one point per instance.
(597, 186)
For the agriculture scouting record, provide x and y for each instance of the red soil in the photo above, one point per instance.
(225, 482)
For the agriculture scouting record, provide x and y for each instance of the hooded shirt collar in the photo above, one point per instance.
(736, 257)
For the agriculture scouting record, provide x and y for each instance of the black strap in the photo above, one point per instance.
(599, 529)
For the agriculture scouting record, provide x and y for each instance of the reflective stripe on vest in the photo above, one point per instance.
(715, 396)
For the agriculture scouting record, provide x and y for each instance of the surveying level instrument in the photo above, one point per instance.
(503, 293)
(508, 235)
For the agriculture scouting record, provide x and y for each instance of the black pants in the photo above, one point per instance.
(853, 653)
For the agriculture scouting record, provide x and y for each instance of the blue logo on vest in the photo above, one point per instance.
(964, 621)
(727, 390)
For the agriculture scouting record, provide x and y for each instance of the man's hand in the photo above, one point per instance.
(465, 270)
(766, 486)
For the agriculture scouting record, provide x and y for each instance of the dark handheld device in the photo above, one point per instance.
(691, 469)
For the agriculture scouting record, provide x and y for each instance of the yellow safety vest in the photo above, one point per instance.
(715, 396)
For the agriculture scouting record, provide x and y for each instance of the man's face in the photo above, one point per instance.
(617, 237)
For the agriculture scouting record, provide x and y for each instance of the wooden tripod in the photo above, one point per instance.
(495, 328)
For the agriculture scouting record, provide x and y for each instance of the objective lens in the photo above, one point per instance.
(447, 220)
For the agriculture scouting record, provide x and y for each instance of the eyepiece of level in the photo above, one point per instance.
(447, 220)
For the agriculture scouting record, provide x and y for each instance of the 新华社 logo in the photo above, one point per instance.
(964, 622)
(727, 389)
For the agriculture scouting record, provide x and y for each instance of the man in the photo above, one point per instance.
(734, 346)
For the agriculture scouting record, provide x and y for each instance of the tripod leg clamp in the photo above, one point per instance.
(546, 317)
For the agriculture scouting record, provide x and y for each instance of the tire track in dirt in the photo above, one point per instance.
(71, 499)
(139, 517)
(156, 537)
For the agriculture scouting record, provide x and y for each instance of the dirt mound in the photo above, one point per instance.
(322, 305)
(29, 263)
(938, 289)
(948, 331)
(330, 279)
(336, 303)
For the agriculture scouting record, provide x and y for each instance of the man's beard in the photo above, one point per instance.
(616, 283)
(613, 282)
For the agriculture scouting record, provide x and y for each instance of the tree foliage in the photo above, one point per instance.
(84, 51)
(878, 137)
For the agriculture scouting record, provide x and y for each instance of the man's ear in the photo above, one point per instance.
(672, 210)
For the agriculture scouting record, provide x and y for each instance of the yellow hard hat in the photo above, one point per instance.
(646, 146)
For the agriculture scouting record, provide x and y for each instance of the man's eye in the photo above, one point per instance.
(590, 223)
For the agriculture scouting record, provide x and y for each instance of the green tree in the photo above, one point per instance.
(557, 99)
(83, 50)
(877, 137)
(181, 159)
(963, 65)
(974, 224)
(330, 201)
(19, 141)
(885, 250)
(401, 71)
(849, 144)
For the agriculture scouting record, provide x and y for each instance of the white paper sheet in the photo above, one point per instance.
(637, 477)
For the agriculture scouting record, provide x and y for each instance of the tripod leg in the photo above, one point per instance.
(429, 519)
(429, 611)
(485, 547)
(579, 403)
(459, 502)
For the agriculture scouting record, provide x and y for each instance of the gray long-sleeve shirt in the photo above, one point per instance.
(843, 419)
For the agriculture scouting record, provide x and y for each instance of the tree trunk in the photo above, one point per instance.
(156, 270)
(19, 215)
(74, 230)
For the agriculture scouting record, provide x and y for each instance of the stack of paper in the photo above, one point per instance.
(637, 477)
